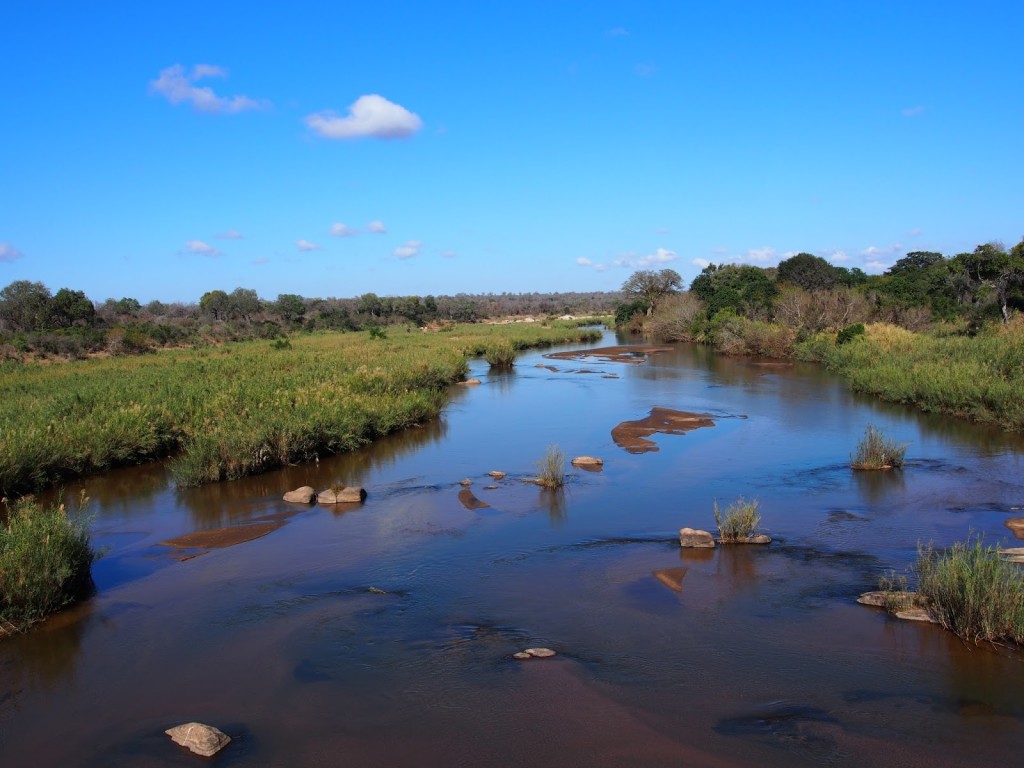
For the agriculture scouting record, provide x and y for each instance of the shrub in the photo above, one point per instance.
(501, 354)
(45, 561)
(849, 333)
(739, 521)
(875, 451)
(973, 591)
(551, 468)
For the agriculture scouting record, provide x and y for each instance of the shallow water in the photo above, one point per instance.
(382, 634)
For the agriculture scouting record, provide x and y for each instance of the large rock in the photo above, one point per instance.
(347, 495)
(761, 538)
(202, 739)
(587, 461)
(1016, 524)
(691, 537)
(303, 495)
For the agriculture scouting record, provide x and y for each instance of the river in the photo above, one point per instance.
(382, 634)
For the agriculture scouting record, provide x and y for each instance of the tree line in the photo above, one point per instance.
(34, 321)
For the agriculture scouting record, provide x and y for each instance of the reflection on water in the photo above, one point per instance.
(384, 631)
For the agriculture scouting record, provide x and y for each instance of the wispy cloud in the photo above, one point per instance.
(306, 245)
(632, 260)
(231, 234)
(342, 230)
(178, 86)
(720, 250)
(912, 111)
(760, 255)
(368, 116)
(916, 232)
(203, 249)
(583, 261)
(259, 262)
(9, 253)
(700, 263)
(448, 254)
(410, 249)
(377, 227)
(835, 255)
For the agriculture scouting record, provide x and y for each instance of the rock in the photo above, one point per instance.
(759, 539)
(587, 461)
(496, 474)
(303, 495)
(1016, 524)
(490, 487)
(534, 653)
(346, 495)
(876, 599)
(468, 383)
(465, 482)
(915, 614)
(1013, 554)
(202, 739)
(689, 537)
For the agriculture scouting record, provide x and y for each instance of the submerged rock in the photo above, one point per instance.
(761, 538)
(587, 461)
(534, 653)
(1016, 524)
(671, 578)
(497, 474)
(346, 495)
(691, 537)
(303, 495)
(468, 383)
(466, 482)
(202, 739)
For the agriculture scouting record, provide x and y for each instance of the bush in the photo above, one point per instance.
(551, 469)
(45, 562)
(501, 354)
(849, 333)
(875, 451)
(973, 591)
(739, 521)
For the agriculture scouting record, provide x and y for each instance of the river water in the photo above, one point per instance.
(382, 634)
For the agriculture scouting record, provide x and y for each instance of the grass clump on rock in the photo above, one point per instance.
(45, 562)
(972, 590)
(876, 451)
(551, 468)
(739, 521)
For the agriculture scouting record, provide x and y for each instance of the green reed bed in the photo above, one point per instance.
(981, 377)
(45, 562)
(233, 410)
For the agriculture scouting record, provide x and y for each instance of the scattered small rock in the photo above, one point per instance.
(346, 495)
(761, 538)
(303, 495)
(490, 487)
(690, 537)
(497, 474)
(201, 739)
(534, 653)
(465, 481)
(468, 383)
(590, 463)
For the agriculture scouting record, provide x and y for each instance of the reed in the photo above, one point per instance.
(551, 468)
(740, 520)
(45, 561)
(876, 451)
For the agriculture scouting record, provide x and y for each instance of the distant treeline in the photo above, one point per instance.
(68, 324)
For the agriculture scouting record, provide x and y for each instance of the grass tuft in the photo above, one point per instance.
(501, 354)
(876, 451)
(739, 521)
(45, 561)
(551, 468)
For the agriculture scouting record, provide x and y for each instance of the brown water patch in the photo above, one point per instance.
(632, 435)
(469, 501)
(621, 354)
(1016, 524)
(218, 538)
(671, 578)
(548, 367)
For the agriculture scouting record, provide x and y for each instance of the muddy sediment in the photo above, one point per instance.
(620, 354)
(632, 435)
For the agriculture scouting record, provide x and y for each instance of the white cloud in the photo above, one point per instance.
(876, 266)
(9, 253)
(370, 115)
(913, 111)
(203, 249)
(698, 262)
(177, 86)
(916, 232)
(231, 234)
(377, 227)
(305, 245)
(633, 261)
(342, 230)
(720, 251)
(760, 254)
(836, 255)
(583, 261)
(410, 249)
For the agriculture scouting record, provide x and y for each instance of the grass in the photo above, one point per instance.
(551, 468)
(501, 354)
(45, 562)
(237, 409)
(970, 589)
(739, 521)
(876, 451)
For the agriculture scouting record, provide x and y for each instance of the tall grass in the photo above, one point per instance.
(551, 468)
(236, 409)
(740, 520)
(45, 562)
(973, 591)
(876, 451)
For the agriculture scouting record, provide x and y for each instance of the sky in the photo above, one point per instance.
(159, 151)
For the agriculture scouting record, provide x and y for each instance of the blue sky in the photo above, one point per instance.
(331, 149)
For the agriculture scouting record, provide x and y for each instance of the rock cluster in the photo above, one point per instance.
(347, 495)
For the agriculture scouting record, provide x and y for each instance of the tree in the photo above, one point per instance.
(69, 308)
(215, 304)
(812, 273)
(651, 286)
(243, 303)
(988, 270)
(291, 307)
(24, 306)
(744, 289)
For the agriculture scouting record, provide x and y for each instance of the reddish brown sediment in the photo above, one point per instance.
(622, 354)
(469, 501)
(671, 578)
(632, 435)
(217, 538)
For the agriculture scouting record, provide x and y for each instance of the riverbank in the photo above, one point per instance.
(237, 409)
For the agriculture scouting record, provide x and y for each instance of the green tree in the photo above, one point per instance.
(812, 273)
(243, 303)
(743, 289)
(70, 308)
(651, 286)
(291, 307)
(215, 304)
(991, 272)
(25, 306)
